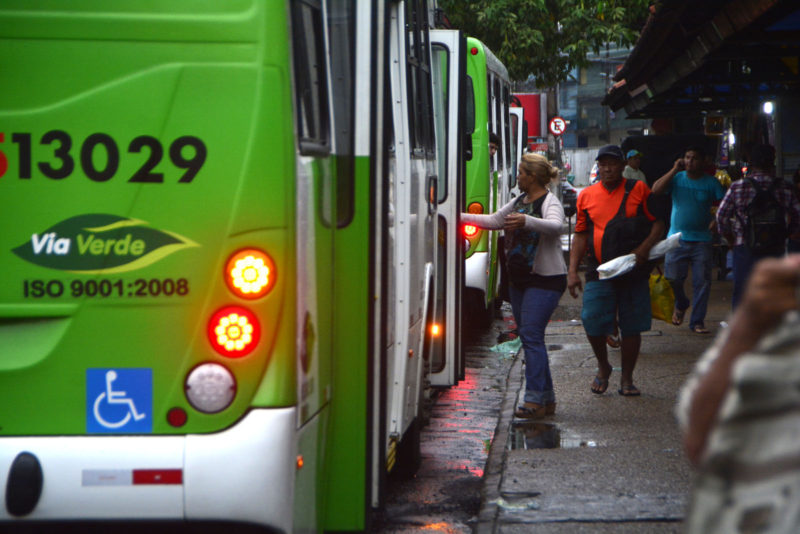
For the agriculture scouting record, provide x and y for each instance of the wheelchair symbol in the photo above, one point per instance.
(115, 397)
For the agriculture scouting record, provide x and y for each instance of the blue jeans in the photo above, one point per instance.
(696, 254)
(532, 310)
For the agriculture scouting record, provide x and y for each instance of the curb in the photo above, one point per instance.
(498, 453)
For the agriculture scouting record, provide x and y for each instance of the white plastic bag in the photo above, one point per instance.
(617, 266)
(626, 263)
(664, 246)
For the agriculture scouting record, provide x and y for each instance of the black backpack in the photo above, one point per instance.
(765, 225)
(622, 233)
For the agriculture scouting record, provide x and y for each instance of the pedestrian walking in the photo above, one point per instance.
(739, 223)
(693, 194)
(738, 412)
(537, 272)
(613, 220)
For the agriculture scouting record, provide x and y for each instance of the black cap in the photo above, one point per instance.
(610, 150)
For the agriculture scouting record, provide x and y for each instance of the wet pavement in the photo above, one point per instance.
(601, 464)
(445, 494)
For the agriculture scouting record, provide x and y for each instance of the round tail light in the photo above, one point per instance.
(234, 331)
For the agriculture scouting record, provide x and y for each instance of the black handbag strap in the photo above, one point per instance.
(629, 185)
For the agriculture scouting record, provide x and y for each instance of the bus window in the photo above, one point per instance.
(341, 33)
(507, 127)
(469, 116)
(310, 87)
(441, 64)
(420, 115)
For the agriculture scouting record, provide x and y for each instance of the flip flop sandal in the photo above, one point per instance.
(629, 390)
(599, 385)
(613, 341)
(677, 316)
(699, 329)
(523, 412)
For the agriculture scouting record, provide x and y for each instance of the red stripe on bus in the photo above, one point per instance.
(157, 476)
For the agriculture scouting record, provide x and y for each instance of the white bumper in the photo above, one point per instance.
(243, 474)
(476, 271)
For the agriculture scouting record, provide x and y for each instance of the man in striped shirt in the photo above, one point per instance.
(732, 214)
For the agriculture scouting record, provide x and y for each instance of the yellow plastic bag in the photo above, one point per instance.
(662, 299)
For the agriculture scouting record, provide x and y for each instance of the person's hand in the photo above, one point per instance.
(642, 256)
(679, 165)
(770, 293)
(514, 221)
(574, 284)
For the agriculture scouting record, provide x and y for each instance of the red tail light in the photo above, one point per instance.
(234, 331)
(470, 230)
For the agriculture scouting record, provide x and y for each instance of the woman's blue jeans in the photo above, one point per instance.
(532, 309)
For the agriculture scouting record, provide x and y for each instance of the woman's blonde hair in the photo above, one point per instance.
(537, 166)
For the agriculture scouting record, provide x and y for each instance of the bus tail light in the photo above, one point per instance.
(475, 207)
(234, 331)
(210, 387)
(470, 230)
(250, 273)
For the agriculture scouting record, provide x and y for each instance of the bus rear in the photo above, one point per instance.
(147, 303)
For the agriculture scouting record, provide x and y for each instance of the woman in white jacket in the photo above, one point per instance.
(537, 272)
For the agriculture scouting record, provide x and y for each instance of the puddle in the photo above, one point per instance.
(518, 501)
(535, 435)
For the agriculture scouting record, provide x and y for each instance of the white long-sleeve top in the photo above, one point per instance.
(549, 256)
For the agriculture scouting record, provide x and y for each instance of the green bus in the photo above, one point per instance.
(219, 264)
(489, 179)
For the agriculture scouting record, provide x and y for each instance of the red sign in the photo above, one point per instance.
(557, 125)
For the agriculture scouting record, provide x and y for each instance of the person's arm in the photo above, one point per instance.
(769, 295)
(643, 251)
(493, 221)
(725, 214)
(794, 216)
(551, 222)
(662, 184)
(580, 243)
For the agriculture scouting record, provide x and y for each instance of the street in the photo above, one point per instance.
(603, 463)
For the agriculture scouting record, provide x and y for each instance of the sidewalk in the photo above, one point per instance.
(603, 463)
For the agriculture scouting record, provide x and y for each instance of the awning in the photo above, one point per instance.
(710, 55)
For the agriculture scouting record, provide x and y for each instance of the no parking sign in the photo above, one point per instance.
(557, 125)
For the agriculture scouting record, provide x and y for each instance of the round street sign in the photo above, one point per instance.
(557, 125)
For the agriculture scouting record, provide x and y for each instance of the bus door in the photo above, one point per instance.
(449, 69)
(518, 139)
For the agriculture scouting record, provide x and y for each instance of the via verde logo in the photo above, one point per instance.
(100, 243)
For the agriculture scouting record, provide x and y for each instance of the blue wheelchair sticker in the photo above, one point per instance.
(119, 401)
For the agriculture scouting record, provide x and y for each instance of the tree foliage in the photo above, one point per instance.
(547, 38)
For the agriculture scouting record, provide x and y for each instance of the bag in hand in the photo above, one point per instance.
(662, 298)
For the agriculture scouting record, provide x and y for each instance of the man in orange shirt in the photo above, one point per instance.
(626, 296)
